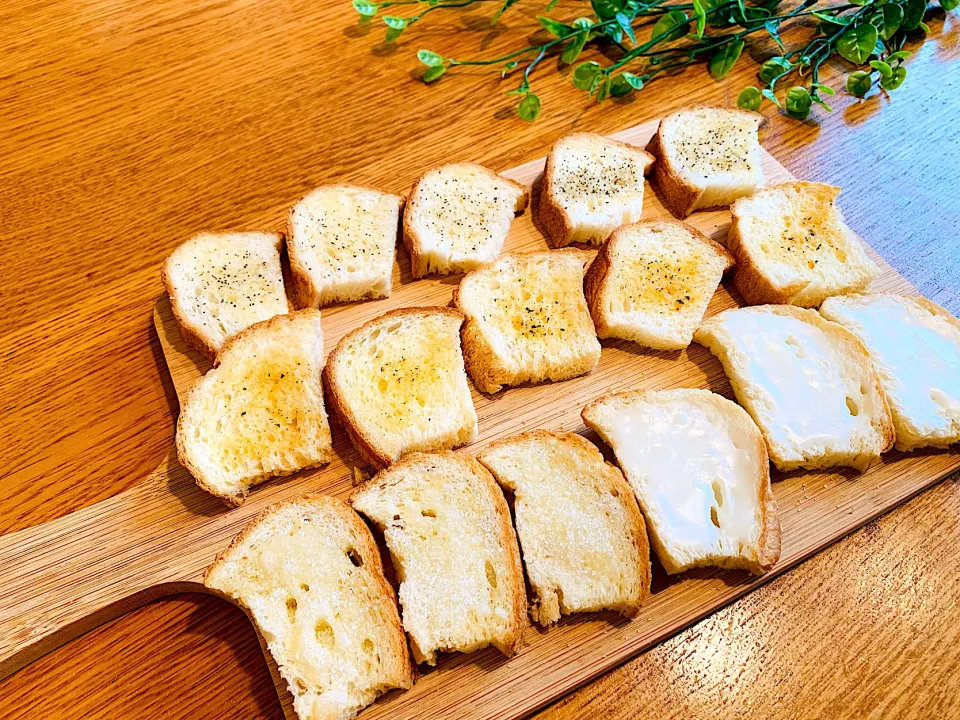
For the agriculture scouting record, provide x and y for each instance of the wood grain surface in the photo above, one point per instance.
(126, 127)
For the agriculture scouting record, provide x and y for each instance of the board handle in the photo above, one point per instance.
(65, 577)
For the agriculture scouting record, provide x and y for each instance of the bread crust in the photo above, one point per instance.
(411, 238)
(303, 290)
(191, 334)
(337, 403)
(369, 553)
(637, 525)
(553, 216)
(770, 535)
(235, 500)
(507, 536)
(679, 196)
(595, 285)
(483, 366)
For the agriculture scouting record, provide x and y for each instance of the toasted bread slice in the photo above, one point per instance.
(698, 465)
(583, 539)
(915, 348)
(259, 412)
(807, 382)
(707, 157)
(651, 283)
(220, 284)
(458, 217)
(309, 575)
(527, 319)
(341, 241)
(591, 186)
(448, 529)
(793, 247)
(398, 384)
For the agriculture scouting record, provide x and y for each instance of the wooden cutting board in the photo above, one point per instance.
(62, 578)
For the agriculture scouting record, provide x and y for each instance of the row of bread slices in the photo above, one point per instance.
(310, 574)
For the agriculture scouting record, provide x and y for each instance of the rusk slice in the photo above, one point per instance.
(698, 466)
(457, 218)
(527, 320)
(397, 384)
(793, 247)
(448, 529)
(341, 241)
(583, 539)
(309, 574)
(220, 284)
(259, 412)
(651, 283)
(591, 186)
(706, 157)
(807, 382)
(915, 347)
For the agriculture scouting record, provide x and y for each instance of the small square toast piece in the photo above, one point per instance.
(259, 412)
(457, 218)
(221, 283)
(915, 347)
(527, 320)
(341, 241)
(706, 157)
(309, 575)
(447, 526)
(698, 465)
(397, 384)
(807, 382)
(651, 283)
(793, 247)
(583, 539)
(591, 186)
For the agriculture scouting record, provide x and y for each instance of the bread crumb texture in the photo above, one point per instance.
(709, 142)
(597, 174)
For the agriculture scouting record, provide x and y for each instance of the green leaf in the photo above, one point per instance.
(507, 4)
(636, 82)
(860, 2)
(949, 5)
(429, 58)
(892, 16)
(365, 7)
(723, 60)
(624, 22)
(899, 55)
(749, 98)
(884, 69)
(557, 29)
(773, 30)
(826, 89)
(397, 23)
(603, 90)
(522, 90)
(768, 94)
(913, 14)
(529, 107)
(584, 74)
(608, 9)
(772, 68)
(895, 80)
(798, 102)
(550, 5)
(700, 12)
(834, 19)
(573, 49)
(510, 66)
(821, 103)
(857, 43)
(674, 20)
(393, 34)
(433, 73)
(859, 83)
(923, 26)
(620, 87)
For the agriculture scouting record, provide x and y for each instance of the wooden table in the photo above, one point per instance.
(126, 127)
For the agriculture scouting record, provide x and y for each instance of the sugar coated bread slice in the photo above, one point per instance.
(698, 466)
(259, 412)
(398, 384)
(706, 157)
(458, 217)
(583, 539)
(652, 281)
(220, 284)
(807, 382)
(341, 241)
(527, 319)
(915, 347)
(448, 529)
(793, 247)
(591, 186)
(309, 574)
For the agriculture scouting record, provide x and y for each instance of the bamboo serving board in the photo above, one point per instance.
(63, 578)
